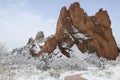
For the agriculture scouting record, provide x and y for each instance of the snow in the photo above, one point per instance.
(74, 29)
(64, 45)
(109, 73)
(20, 65)
(36, 48)
(80, 35)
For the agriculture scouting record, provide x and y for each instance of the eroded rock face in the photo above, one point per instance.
(49, 47)
(65, 40)
(118, 50)
(89, 33)
(39, 36)
(96, 29)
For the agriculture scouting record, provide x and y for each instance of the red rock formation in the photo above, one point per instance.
(96, 28)
(89, 33)
(49, 47)
(65, 41)
(118, 50)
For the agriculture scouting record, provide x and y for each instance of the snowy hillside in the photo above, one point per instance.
(20, 65)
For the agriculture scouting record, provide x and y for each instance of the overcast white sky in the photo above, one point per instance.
(22, 19)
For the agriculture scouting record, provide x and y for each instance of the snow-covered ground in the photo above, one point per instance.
(20, 65)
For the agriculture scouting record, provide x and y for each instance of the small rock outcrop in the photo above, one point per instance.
(30, 41)
(49, 47)
(39, 36)
(91, 34)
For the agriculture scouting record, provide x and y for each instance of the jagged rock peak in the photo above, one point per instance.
(76, 13)
(30, 41)
(63, 12)
(39, 36)
(102, 18)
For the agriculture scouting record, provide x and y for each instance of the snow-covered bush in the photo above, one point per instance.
(68, 64)
(54, 72)
(3, 52)
(3, 48)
